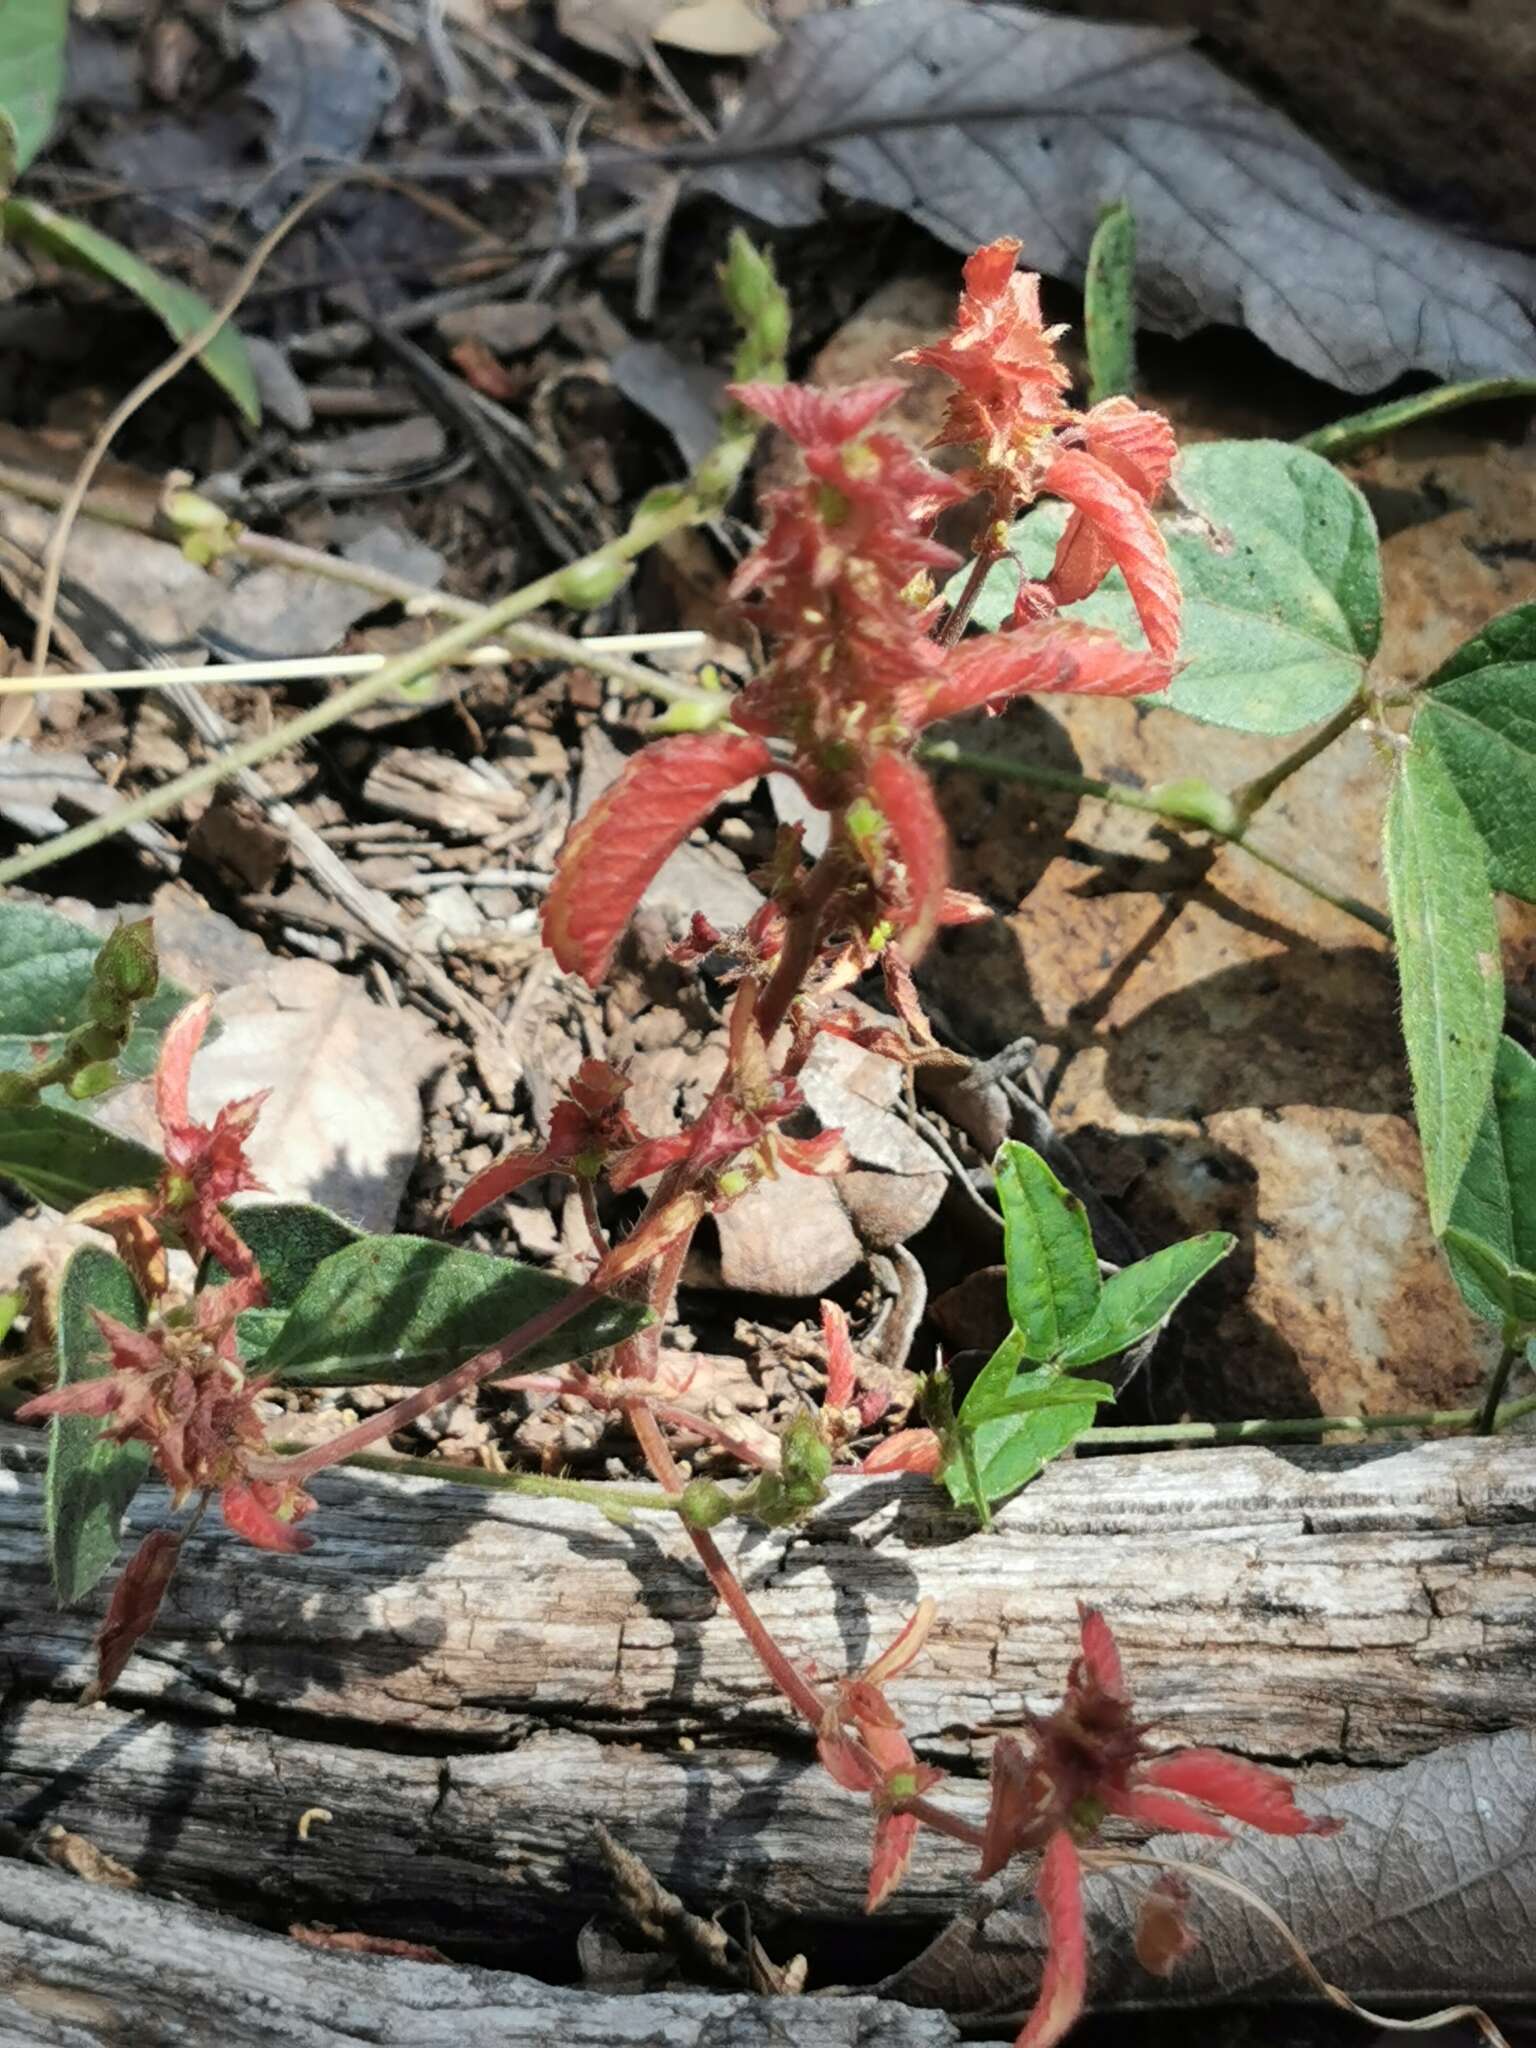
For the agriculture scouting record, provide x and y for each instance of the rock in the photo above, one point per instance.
(897, 1183)
(342, 1124)
(789, 1236)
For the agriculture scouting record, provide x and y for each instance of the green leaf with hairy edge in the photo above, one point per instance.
(1342, 437)
(1053, 1271)
(1481, 1273)
(90, 1479)
(1109, 304)
(1277, 557)
(180, 311)
(45, 975)
(1137, 1298)
(1492, 1228)
(406, 1310)
(1011, 1449)
(61, 1158)
(1448, 964)
(290, 1241)
(1479, 713)
(32, 39)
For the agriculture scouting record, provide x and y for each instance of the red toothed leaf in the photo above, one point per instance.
(841, 1375)
(895, 1834)
(1163, 1934)
(249, 1508)
(650, 1156)
(1014, 1806)
(1131, 538)
(811, 417)
(904, 794)
(1059, 1888)
(1048, 657)
(827, 1152)
(1101, 1653)
(611, 857)
(909, 1450)
(1161, 1813)
(500, 1178)
(1248, 1792)
(132, 1609)
(174, 1068)
(1137, 445)
(987, 270)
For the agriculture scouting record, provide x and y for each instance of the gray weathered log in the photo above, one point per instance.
(81, 1965)
(468, 1682)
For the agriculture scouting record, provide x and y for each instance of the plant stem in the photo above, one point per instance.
(960, 617)
(1509, 1358)
(1303, 1428)
(1252, 796)
(444, 647)
(598, 1493)
(448, 1388)
(945, 753)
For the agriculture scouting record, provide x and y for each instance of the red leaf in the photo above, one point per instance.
(1248, 1792)
(249, 1509)
(500, 1178)
(174, 1067)
(1049, 656)
(1013, 1808)
(1059, 1888)
(132, 1609)
(909, 1450)
(1101, 1653)
(1131, 540)
(895, 1834)
(811, 417)
(1156, 1810)
(841, 1377)
(612, 855)
(827, 1152)
(650, 1156)
(905, 795)
(907, 1646)
(1137, 445)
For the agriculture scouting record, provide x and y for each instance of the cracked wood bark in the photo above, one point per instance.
(468, 1681)
(82, 1964)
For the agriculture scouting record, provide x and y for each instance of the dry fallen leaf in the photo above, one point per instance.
(1428, 1892)
(1240, 218)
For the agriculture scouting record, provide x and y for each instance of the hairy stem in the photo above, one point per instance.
(448, 1388)
(1252, 796)
(1514, 1350)
(960, 616)
(597, 1493)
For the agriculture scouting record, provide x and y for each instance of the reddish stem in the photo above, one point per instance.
(448, 1388)
(960, 617)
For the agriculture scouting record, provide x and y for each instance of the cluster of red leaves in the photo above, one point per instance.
(1086, 1761)
(842, 586)
(178, 1385)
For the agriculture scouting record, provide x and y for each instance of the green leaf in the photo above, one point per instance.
(290, 1240)
(32, 38)
(1487, 1281)
(1491, 1236)
(1360, 428)
(1479, 715)
(1053, 1271)
(1448, 963)
(62, 1158)
(179, 310)
(90, 1480)
(1010, 1450)
(1277, 557)
(1109, 304)
(1137, 1298)
(45, 978)
(406, 1310)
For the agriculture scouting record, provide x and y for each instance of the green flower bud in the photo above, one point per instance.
(586, 585)
(95, 1079)
(1197, 803)
(706, 1505)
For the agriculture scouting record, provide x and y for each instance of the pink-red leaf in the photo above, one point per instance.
(1059, 1888)
(1049, 656)
(1131, 540)
(1248, 1792)
(909, 1450)
(842, 1379)
(1101, 1653)
(812, 417)
(905, 795)
(895, 1833)
(132, 1609)
(611, 857)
